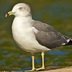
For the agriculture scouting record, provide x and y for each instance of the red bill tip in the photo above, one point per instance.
(6, 15)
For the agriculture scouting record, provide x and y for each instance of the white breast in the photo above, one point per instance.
(23, 34)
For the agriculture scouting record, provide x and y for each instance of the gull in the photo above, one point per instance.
(34, 36)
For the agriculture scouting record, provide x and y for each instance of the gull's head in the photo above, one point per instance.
(20, 10)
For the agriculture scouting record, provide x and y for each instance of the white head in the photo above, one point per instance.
(20, 10)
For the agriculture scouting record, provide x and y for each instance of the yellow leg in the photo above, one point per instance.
(33, 66)
(43, 67)
(43, 60)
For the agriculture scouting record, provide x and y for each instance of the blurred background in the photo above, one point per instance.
(57, 13)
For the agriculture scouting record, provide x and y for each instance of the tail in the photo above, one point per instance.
(69, 41)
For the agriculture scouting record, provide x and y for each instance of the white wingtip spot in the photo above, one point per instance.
(68, 40)
(63, 43)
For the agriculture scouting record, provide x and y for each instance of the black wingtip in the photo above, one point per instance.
(70, 42)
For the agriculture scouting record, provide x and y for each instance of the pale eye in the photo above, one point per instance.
(20, 8)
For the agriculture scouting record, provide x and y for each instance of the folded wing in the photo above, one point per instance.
(48, 36)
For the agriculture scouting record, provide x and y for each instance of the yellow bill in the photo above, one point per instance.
(9, 13)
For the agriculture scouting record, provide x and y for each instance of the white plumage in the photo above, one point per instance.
(34, 36)
(23, 34)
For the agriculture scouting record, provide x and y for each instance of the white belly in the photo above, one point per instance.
(25, 38)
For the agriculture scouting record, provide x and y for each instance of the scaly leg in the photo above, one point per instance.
(43, 67)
